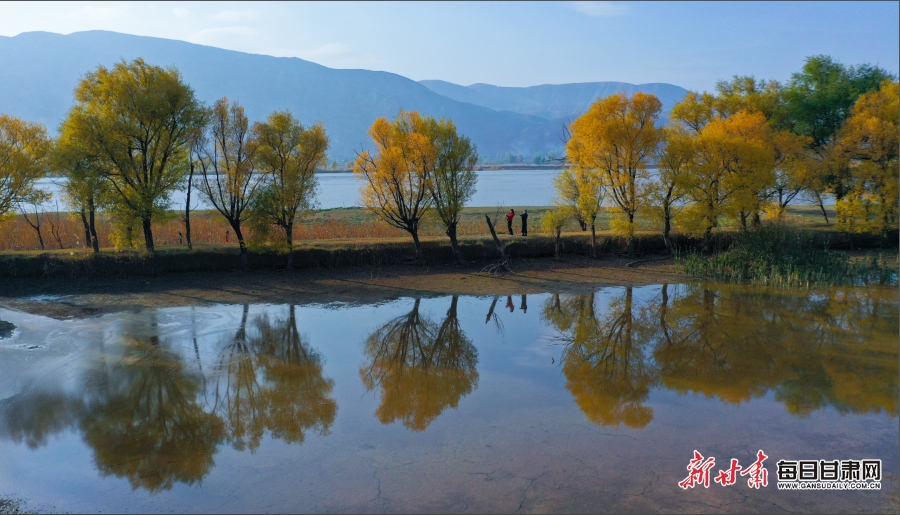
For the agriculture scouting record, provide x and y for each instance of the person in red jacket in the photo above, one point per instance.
(509, 220)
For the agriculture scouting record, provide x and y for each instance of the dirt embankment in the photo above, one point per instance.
(64, 298)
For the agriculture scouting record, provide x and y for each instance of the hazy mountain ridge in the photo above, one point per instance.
(39, 71)
(550, 101)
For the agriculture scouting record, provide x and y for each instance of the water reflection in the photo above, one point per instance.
(421, 368)
(271, 382)
(151, 416)
(156, 399)
(729, 343)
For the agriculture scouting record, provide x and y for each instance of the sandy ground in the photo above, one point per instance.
(78, 298)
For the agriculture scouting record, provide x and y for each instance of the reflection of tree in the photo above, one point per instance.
(829, 348)
(33, 415)
(272, 382)
(421, 368)
(144, 421)
(603, 361)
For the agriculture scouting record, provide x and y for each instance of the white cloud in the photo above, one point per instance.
(600, 9)
(236, 15)
(181, 12)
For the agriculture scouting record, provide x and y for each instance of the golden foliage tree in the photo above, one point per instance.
(453, 181)
(398, 176)
(733, 161)
(227, 166)
(137, 120)
(674, 160)
(289, 155)
(24, 149)
(870, 140)
(86, 186)
(579, 191)
(617, 136)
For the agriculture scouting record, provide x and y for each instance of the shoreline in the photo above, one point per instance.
(78, 298)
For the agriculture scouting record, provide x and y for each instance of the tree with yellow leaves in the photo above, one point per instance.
(24, 149)
(137, 120)
(453, 180)
(580, 192)
(227, 169)
(870, 140)
(617, 137)
(398, 175)
(732, 163)
(674, 160)
(288, 154)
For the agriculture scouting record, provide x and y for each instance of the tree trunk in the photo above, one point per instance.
(454, 244)
(92, 211)
(236, 226)
(630, 249)
(593, 240)
(757, 222)
(148, 234)
(289, 236)
(496, 239)
(557, 252)
(822, 207)
(415, 236)
(667, 227)
(187, 209)
(87, 230)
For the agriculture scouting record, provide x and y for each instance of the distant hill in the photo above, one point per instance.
(550, 101)
(39, 70)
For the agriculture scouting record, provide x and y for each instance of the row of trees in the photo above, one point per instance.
(747, 150)
(137, 133)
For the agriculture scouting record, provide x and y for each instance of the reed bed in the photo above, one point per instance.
(778, 255)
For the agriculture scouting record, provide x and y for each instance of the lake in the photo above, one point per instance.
(559, 403)
(511, 188)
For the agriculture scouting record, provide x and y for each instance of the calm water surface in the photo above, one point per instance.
(495, 187)
(548, 402)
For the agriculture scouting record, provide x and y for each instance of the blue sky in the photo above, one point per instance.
(691, 44)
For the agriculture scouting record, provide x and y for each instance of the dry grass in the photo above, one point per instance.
(65, 230)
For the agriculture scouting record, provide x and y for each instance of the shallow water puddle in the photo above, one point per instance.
(520, 403)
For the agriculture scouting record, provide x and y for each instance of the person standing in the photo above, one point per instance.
(509, 220)
(524, 223)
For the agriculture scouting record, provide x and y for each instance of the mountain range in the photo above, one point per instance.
(39, 71)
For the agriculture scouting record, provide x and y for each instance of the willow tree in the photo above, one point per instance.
(618, 136)
(732, 158)
(674, 159)
(398, 176)
(288, 155)
(453, 180)
(580, 191)
(86, 187)
(137, 120)
(870, 139)
(227, 178)
(24, 150)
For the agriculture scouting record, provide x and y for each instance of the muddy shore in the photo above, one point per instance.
(75, 298)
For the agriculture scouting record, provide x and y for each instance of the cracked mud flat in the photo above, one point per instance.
(523, 432)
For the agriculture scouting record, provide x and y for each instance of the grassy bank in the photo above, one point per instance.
(337, 253)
